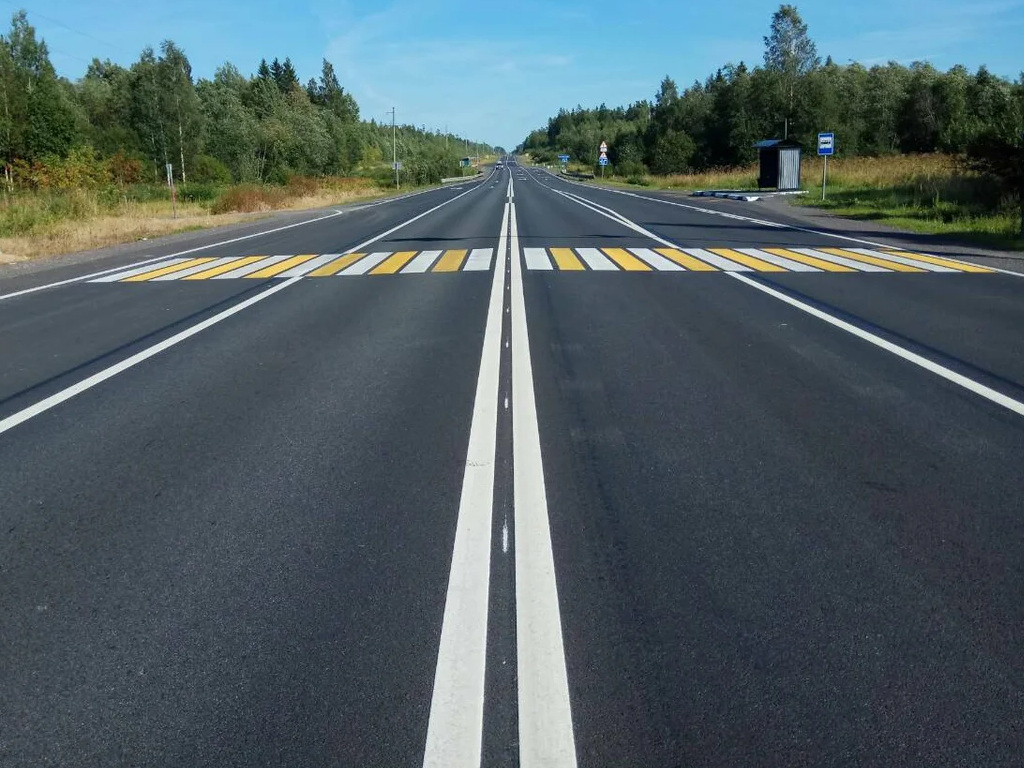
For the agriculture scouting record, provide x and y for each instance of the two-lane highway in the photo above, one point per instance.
(520, 473)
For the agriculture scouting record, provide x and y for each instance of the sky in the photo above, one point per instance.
(493, 72)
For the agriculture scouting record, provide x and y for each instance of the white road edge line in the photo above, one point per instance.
(546, 738)
(959, 379)
(455, 725)
(97, 378)
(779, 225)
(168, 256)
(939, 370)
(213, 245)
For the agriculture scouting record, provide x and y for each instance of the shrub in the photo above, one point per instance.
(209, 170)
(303, 186)
(248, 198)
(198, 193)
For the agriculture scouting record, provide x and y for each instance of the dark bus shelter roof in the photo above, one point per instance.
(777, 144)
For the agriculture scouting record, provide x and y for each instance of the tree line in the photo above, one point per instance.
(128, 123)
(873, 111)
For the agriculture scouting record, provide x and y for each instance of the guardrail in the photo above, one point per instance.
(456, 179)
(577, 175)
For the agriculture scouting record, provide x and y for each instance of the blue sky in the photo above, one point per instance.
(495, 71)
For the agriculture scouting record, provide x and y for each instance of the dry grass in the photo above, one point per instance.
(46, 225)
(134, 221)
(932, 194)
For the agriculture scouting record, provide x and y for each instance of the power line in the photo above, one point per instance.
(70, 29)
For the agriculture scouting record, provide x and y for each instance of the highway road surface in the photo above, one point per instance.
(515, 473)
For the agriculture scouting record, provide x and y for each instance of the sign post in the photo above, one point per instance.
(170, 183)
(603, 160)
(826, 148)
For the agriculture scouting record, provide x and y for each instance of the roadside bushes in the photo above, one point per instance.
(249, 198)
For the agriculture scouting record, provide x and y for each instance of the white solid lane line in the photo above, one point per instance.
(421, 263)
(940, 370)
(168, 256)
(75, 389)
(775, 224)
(455, 726)
(546, 738)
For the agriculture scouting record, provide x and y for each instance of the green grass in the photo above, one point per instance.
(902, 208)
(930, 194)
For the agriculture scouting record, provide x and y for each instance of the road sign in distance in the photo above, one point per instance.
(564, 158)
(826, 143)
(604, 147)
(603, 160)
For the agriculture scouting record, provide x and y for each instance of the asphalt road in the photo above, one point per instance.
(521, 472)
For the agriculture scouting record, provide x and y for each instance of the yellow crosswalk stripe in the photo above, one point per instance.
(828, 266)
(893, 265)
(167, 270)
(742, 258)
(393, 263)
(232, 265)
(451, 261)
(686, 260)
(566, 260)
(626, 260)
(337, 265)
(962, 267)
(281, 266)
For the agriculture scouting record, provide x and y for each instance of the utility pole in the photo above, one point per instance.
(394, 148)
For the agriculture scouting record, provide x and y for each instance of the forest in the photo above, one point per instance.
(117, 126)
(882, 110)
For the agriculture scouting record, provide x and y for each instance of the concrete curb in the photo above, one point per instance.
(746, 197)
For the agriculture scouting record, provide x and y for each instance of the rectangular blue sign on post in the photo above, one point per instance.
(603, 161)
(564, 158)
(826, 144)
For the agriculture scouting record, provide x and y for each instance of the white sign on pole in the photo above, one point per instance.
(604, 147)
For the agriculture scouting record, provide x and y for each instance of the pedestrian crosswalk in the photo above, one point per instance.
(765, 259)
(306, 265)
(554, 259)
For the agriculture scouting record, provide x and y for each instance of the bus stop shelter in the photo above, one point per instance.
(780, 164)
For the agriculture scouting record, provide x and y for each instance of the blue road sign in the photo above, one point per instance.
(826, 144)
(603, 161)
(563, 158)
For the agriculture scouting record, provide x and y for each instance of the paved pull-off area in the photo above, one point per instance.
(478, 497)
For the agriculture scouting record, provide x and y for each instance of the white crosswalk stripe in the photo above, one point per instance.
(479, 260)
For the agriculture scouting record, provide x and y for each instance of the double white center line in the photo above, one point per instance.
(455, 728)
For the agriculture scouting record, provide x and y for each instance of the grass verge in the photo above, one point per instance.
(930, 194)
(39, 224)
